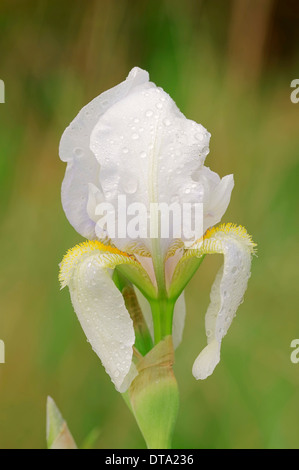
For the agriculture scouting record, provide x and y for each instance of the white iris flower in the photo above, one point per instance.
(133, 141)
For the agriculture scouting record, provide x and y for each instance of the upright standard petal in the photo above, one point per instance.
(148, 151)
(100, 309)
(227, 291)
(82, 173)
(132, 141)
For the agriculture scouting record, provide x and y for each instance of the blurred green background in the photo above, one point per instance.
(228, 65)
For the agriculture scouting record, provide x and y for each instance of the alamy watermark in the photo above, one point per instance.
(2, 352)
(2, 92)
(155, 220)
(295, 352)
(295, 93)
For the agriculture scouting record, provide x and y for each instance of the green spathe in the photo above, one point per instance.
(154, 395)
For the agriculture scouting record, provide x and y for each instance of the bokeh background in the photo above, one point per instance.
(228, 65)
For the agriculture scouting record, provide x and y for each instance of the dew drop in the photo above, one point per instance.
(166, 122)
(135, 136)
(205, 151)
(159, 106)
(125, 150)
(149, 113)
(199, 136)
(143, 155)
(130, 185)
(78, 152)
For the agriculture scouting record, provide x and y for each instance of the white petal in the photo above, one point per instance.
(83, 167)
(207, 360)
(227, 291)
(179, 316)
(215, 195)
(148, 151)
(103, 316)
(133, 141)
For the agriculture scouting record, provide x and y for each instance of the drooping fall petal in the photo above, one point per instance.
(100, 307)
(227, 291)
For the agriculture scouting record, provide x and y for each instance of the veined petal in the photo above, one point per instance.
(227, 291)
(148, 151)
(100, 307)
(83, 168)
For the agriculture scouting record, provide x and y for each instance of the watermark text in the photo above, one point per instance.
(157, 220)
(295, 352)
(2, 352)
(295, 93)
(2, 92)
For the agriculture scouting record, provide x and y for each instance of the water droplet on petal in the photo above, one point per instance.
(125, 150)
(166, 122)
(199, 136)
(149, 113)
(78, 152)
(205, 151)
(130, 185)
(135, 136)
(159, 106)
(143, 155)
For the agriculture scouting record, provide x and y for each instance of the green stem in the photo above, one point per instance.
(162, 311)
